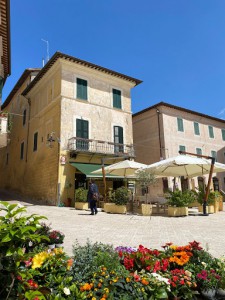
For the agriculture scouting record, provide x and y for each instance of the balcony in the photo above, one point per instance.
(80, 145)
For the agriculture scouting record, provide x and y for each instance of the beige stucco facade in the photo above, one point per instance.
(156, 136)
(52, 109)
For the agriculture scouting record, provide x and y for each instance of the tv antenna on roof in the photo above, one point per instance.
(47, 50)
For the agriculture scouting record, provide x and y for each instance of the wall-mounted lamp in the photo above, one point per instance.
(51, 139)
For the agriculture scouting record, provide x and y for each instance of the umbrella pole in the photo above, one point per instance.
(104, 180)
(208, 185)
(209, 180)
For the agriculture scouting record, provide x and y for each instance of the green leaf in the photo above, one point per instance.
(6, 238)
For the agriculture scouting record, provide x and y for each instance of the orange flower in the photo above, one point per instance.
(144, 281)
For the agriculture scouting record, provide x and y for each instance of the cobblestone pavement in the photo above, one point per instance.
(132, 230)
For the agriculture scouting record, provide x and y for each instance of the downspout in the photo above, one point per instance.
(159, 130)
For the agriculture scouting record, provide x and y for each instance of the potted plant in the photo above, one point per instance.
(81, 198)
(119, 200)
(178, 202)
(200, 194)
(144, 180)
(56, 238)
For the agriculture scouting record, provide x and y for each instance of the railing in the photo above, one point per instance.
(99, 147)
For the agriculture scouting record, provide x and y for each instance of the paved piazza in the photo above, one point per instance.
(133, 230)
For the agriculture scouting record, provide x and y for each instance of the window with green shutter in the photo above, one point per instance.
(24, 116)
(211, 133)
(199, 151)
(196, 128)
(182, 148)
(180, 125)
(118, 139)
(82, 131)
(35, 141)
(117, 98)
(223, 134)
(214, 154)
(81, 89)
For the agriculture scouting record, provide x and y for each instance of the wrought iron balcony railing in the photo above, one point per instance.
(99, 147)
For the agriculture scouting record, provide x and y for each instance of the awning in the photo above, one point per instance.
(88, 168)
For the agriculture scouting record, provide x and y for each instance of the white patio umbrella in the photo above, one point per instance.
(126, 168)
(183, 165)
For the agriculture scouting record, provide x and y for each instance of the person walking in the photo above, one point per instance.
(92, 196)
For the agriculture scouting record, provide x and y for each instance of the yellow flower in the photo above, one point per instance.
(127, 279)
(38, 259)
(93, 298)
(106, 290)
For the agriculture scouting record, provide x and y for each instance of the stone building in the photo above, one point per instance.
(162, 130)
(68, 116)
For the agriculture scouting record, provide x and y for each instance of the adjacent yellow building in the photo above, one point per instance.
(66, 118)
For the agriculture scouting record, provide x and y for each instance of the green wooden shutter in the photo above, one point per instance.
(82, 131)
(81, 89)
(118, 138)
(117, 98)
(214, 154)
(182, 148)
(211, 133)
(180, 125)
(24, 116)
(196, 128)
(223, 134)
(199, 151)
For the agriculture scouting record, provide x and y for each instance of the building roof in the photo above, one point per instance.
(5, 34)
(178, 108)
(19, 83)
(59, 55)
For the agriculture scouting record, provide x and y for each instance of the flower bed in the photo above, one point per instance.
(29, 270)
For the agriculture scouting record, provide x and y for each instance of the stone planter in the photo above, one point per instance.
(58, 245)
(115, 209)
(221, 205)
(177, 211)
(81, 205)
(146, 209)
(209, 294)
(220, 293)
(51, 246)
(209, 209)
(216, 206)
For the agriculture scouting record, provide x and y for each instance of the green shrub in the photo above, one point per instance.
(180, 199)
(200, 196)
(121, 196)
(81, 195)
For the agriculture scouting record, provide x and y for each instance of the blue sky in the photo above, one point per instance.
(177, 47)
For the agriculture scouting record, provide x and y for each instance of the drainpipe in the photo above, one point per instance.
(160, 143)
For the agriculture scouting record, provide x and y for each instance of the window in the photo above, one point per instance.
(7, 158)
(118, 139)
(180, 124)
(21, 150)
(82, 132)
(24, 116)
(199, 151)
(223, 134)
(81, 89)
(214, 154)
(211, 133)
(182, 148)
(35, 141)
(196, 128)
(116, 98)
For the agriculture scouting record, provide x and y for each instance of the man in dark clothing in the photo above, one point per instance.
(92, 196)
